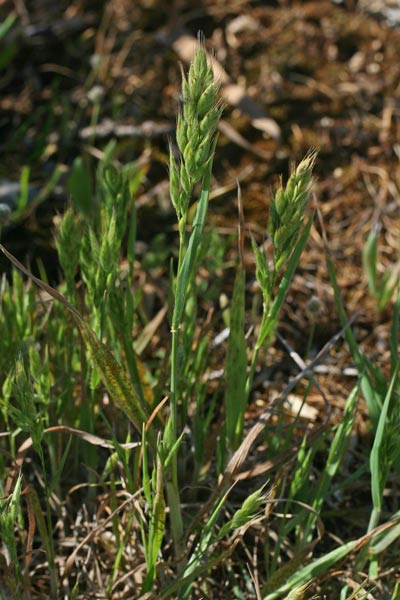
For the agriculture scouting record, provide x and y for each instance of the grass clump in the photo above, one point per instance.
(167, 479)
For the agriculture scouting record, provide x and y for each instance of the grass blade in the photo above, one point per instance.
(309, 572)
(236, 365)
(187, 270)
(335, 456)
(379, 463)
(60, 467)
(371, 397)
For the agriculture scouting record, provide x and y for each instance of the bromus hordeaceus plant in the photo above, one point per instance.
(196, 139)
(288, 236)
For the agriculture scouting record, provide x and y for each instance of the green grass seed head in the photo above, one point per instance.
(288, 208)
(196, 126)
(245, 513)
(195, 132)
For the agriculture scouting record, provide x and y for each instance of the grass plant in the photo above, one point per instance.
(98, 422)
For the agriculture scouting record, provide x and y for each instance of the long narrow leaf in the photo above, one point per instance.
(236, 362)
(307, 573)
(157, 524)
(60, 467)
(156, 528)
(186, 270)
(370, 261)
(378, 463)
(383, 540)
(394, 333)
(371, 397)
(335, 457)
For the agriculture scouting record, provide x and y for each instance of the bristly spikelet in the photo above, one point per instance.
(248, 509)
(287, 210)
(181, 133)
(245, 513)
(195, 131)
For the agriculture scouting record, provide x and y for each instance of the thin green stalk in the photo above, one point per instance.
(172, 486)
(196, 142)
(183, 281)
(254, 357)
(50, 540)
